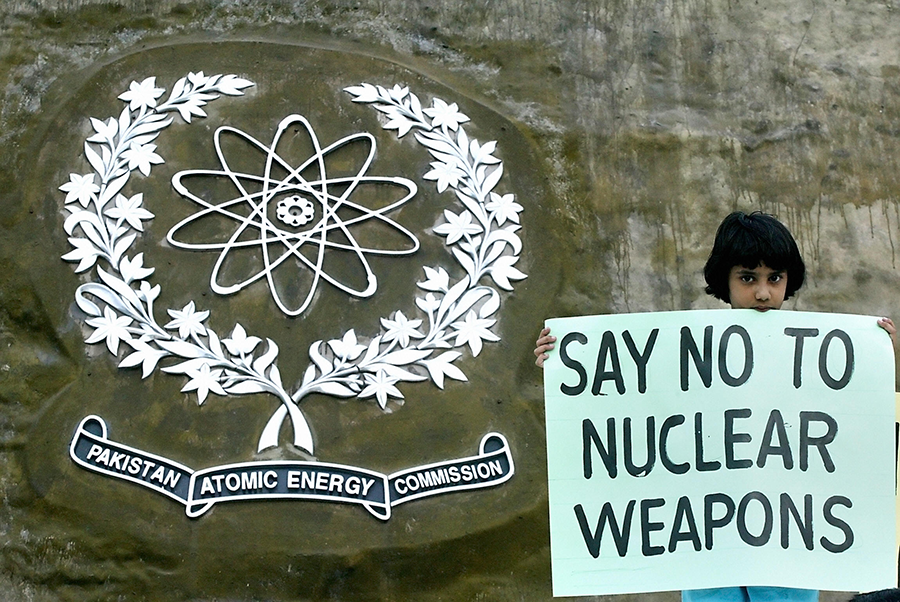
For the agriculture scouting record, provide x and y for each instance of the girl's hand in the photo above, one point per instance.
(888, 325)
(543, 345)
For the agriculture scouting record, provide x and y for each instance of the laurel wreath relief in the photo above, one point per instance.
(103, 224)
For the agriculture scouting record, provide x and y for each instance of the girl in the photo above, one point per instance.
(754, 264)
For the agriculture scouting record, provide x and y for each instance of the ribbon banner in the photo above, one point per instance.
(272, 480)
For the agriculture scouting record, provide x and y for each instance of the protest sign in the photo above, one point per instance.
(718, 448)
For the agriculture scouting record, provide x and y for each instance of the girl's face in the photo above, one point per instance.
(760, 288)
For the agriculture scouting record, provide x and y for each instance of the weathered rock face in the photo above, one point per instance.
(626, 131)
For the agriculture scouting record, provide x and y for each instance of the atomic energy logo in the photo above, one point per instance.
(294, 217)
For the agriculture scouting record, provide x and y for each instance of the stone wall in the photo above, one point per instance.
(627, 130)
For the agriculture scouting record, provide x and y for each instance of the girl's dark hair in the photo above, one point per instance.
(748, 240)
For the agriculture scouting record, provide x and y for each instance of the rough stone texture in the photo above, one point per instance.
(629, 129)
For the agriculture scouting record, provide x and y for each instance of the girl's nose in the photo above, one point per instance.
(762, 292)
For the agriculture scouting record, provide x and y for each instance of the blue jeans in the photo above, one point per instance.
(750, 594)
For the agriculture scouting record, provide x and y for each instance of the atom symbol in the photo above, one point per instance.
(297, 200)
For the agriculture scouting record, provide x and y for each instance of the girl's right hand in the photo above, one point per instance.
(543, 345)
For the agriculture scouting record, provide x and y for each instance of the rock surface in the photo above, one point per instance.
(627, 131)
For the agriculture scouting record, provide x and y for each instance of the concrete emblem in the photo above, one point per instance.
(311, 211)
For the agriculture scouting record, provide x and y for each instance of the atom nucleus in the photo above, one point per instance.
(308, 208)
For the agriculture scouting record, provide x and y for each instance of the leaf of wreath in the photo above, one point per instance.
(144, 355)
(442, 366)
(490, 307)
(266, 359)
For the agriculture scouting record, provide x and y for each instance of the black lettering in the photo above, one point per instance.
(800, 334)
(702, 363)
(607, 345)
(670, 423)
(684, 512)
(819, 442)
(731, 438)
(590, 435)
(641, 358)
(841, 382)
(766, 533)
(804, 524)
(647, 527)
(702, 465)
(710, 523)
(628, 442)
(723, 356)
(783, 449)
(620, 537)
(573, 364)
(834, 521)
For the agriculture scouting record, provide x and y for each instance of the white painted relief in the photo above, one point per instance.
(416, 343)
